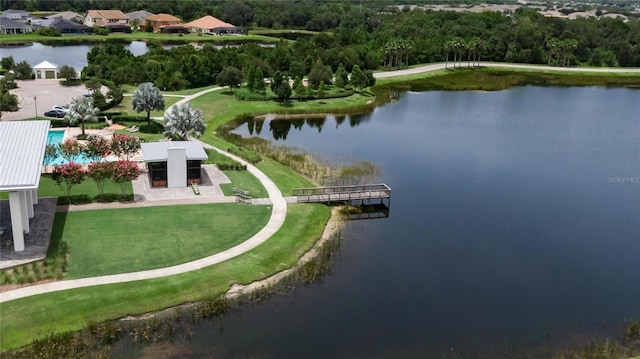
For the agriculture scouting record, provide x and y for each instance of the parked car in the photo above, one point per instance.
(54, 113)
(60, 107)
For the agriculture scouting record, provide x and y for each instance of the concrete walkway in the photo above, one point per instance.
(278, 215)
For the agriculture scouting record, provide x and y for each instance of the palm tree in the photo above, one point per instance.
(147, 98)
(81, 110)
(182, 121)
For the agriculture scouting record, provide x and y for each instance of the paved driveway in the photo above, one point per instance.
(42, 94)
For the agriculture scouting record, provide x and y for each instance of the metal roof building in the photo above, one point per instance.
(22, 146)
(174, 163)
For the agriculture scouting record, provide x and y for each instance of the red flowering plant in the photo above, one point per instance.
(70, 149)
(123, 145)
(100, 172)
(97, 148)
(123, 173)
(68, 175)
(50, 154)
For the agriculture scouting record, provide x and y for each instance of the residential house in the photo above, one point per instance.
(18, 15)
(63, 25)
(68, 15)
(213, 26)
(159, 21)
(9, 26)
(114, 20)
(138, 17)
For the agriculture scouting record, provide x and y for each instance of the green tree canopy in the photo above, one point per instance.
(147, 98)
(81, 110)
(182, 121)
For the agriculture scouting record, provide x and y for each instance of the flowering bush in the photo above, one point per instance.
(69, 174)
(70, 149)
(50, 154)
(100, 172)
(123, 173)
(125, 145)
(97, 148)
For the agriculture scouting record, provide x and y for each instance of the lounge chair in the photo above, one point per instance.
(133, 129)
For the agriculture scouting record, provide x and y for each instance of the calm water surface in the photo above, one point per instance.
(71, 55)
(514, 226)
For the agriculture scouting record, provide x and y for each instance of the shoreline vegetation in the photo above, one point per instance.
(30, 319)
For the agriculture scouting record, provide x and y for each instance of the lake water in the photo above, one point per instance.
(514, 227)
(71, 55)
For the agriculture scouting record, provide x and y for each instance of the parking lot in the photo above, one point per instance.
(41, 96)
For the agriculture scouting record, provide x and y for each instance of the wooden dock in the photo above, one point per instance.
(351, 194)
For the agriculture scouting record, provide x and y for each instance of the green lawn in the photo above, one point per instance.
(125, 107)
(244, 181)
(83, 192)
(133, 239)
(38, 316)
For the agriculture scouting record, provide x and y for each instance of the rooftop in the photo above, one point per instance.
(163, 18)
(22, 145)
(157, 151)
(208, 22)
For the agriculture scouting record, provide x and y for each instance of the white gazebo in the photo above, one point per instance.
(46, 70)
(22, 146)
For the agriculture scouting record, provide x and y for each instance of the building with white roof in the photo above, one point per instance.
(173, 163)
(46, 70)
(22, 146)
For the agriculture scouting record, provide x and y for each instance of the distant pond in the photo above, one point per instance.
(514, 228)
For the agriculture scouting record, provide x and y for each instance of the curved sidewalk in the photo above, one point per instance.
(278, 215)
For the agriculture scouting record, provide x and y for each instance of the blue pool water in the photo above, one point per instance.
(55, 138)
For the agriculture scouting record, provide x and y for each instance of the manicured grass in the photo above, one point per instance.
(244, 181)
(37, 316)
(84, 192)
(134, 239)
(125, 107)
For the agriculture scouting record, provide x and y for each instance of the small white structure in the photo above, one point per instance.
(22, 146)
(173, 163)
(46, 70)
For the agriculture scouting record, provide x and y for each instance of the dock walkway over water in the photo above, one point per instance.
(354, 194)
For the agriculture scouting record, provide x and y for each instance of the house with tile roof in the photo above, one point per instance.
(160, 21)
(103, 18)
(213, 26)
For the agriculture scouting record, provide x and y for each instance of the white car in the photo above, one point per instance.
(61, 108)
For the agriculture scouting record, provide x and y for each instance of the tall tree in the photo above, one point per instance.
(259, 85)
(68, 73)
(230, 76)
(81, 110)
(251, 79)
(182, 121)
(23, 70)
(147, 98)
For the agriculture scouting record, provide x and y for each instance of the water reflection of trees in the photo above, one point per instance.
(280, 127)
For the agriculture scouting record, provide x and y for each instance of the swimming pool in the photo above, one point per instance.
(55, 137)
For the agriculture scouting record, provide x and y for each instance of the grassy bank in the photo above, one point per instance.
(34, 317)
(494, 79)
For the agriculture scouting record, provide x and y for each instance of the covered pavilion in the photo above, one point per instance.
(22, 147)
